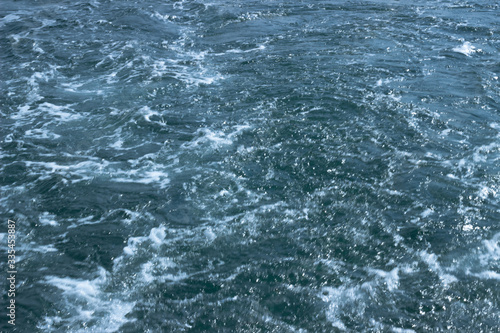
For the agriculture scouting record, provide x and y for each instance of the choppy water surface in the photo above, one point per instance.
(252, 166)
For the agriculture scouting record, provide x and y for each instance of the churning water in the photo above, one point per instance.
(251, 166)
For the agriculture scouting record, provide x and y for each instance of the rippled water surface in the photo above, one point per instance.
(251, 166)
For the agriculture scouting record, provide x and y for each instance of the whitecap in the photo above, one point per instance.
(156, 177)
(466, 48)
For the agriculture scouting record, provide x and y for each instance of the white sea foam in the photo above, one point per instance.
(118, 144)
(37, 48)
(446, 132)
(82, 221)
(467, 227)
(209, 234)
(258, 48)
(495, 126)
(157, 177)
(215, 138)
(165, 17)
(192, 79)
(78, 172)
(192, 75)
(481, 153)
(61, 113)
(48, 219)
(336, 297)
(87, 300)
(432, 261)
(42, 248)
(147, 173)
(157, 235)
(41, 133)
(8, 19)
(72, 86)
(492, 250)
(133, 215)
(485, 191)
(391, 278)
(132, 245)
(466, 48)
(86, 289)
(401, 330)
(161, 269)
(488, 275)
(426, 213)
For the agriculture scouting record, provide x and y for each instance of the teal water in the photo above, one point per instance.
(257, 166)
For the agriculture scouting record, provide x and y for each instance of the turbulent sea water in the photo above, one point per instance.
(251, 166)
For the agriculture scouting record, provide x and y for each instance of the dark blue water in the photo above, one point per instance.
(251, 166)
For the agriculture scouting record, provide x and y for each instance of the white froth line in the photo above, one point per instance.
(84, 221)
(150, 177)
(87, 170)
(157, 235)
(41, 134)
(86, 166)
(259, 48)
(487, 275)
(44, 248)
(402, 330)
